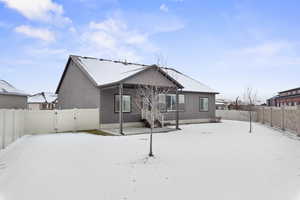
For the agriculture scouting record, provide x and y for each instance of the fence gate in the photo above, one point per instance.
(16, 123)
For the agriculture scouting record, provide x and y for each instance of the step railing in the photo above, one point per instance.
(146, 115)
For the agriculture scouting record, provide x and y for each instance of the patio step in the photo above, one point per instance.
(157, 123)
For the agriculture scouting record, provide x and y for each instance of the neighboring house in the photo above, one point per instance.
(12, 98)
(98, 83)
(223, 104)
(286, 98)
(42, 101)
(273, 101)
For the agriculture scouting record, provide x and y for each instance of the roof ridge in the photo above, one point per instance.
(189, 77)
(110, 60)
(8, 83)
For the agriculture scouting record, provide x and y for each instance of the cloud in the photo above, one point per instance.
(268, 54)
(114, 39)
(164, 8)
(39, 33)
(39, 10)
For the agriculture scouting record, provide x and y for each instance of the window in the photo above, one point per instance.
(203, 104)
(126, 103)
(171, 102)
(168, 102)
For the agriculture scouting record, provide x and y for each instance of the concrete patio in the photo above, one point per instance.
(138, 130)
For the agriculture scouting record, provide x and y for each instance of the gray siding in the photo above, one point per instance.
(150, 77)
(108, 114)
(191, 111)
(77, 91)
(13, 102)
(192, 107)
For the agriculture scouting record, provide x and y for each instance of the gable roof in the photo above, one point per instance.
(8, 89)
(189, 84)
(105, 72)
(42, 97)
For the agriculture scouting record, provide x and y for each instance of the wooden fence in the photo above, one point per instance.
(284, 118)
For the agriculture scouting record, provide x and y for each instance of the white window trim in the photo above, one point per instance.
(204, 110)
(115, 108)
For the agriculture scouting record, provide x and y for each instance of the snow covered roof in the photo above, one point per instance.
(43, 97)
(106, 71)
(7, 88)
(103, 72)
(187, 82)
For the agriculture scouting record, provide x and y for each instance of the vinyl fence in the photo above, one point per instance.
(236, 115)
(16, 123)
(285, 118)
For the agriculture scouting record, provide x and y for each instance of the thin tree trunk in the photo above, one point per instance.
(151, 153)
(152, 124)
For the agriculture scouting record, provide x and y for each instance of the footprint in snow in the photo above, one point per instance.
(206, 132)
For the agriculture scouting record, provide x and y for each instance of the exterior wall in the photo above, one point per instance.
(192, 107)
(150, 77)
(77, 91)
(13, 102)
(191, 111)
(107, 111)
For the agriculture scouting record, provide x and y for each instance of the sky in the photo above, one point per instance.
(229, 45)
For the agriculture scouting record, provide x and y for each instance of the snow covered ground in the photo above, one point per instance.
(204, 161)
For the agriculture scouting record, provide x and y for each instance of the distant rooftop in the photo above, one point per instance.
(8, 89)
(298, 88)
(42, 97)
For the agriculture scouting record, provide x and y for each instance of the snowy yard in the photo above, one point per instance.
(204, 161)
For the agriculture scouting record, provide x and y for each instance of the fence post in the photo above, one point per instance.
(55, 123)
(298, 119)
(3, 129)
(282, 118)
(75, 120)
(14, 126)
(271, 117)
(263, 115)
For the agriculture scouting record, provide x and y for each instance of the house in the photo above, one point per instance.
(273, 101)
(99, 83)
(42, 101)
(223, 104)
(289, 97)
(12, 98)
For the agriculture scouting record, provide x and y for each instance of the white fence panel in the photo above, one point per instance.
(11, 126)
(16, 123)
(40, 121)
(236, 115)
(87, 119)
(65, 120)
(2, 127)
(20, 123)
